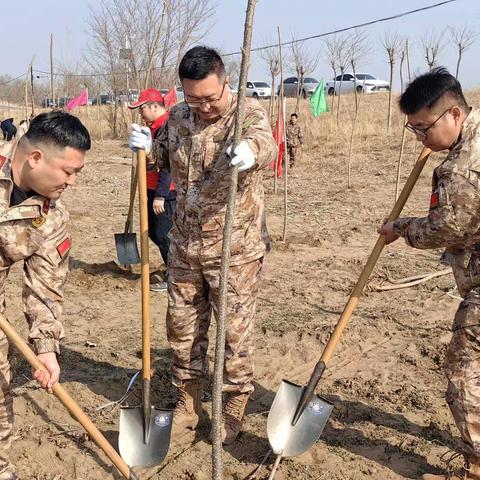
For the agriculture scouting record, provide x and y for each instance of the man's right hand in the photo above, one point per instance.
(140, 137)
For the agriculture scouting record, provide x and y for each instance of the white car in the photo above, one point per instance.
(363, 82)
(259, 90)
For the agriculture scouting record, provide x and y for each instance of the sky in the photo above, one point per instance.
(28, 23)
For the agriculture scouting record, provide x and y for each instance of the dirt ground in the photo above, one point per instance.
(390, 419)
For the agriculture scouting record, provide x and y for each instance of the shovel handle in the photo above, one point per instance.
(142, 193)
(372, 260)
(68, 402)
(332, 343)
(133, 190)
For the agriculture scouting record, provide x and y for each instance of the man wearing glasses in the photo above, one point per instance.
(441, 119)
(195, 146)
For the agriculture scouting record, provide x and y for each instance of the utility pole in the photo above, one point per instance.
(32, 103)
(52, 86)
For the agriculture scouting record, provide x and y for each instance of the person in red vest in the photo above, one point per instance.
(160, 189)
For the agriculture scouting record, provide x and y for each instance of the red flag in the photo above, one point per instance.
(279, 136)
(170, 98)
(81, 99)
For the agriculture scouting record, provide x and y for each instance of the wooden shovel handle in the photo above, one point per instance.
(142, 193)
(372, 260)
(133, 190)
(68, 402)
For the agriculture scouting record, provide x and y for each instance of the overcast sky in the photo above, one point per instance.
(27, 25)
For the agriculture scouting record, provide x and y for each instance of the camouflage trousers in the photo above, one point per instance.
(292, 153)
(192, 296)
(462, 367)
(6, 411)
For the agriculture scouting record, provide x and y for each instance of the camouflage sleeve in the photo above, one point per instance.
(300, 136)
(259, 136)
(454, 213)
(159, 153)
(45, 273)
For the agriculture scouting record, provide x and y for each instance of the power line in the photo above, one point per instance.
(12, 79)
(291, 42)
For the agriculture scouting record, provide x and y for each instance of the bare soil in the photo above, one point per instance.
(390, 419)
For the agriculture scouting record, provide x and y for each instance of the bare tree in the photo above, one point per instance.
(343, 62)
(392, 43)
(150, 37)
(271, 58)
(303, 63)
(432, 45)
(358, 49)
(332, 48)
(462, 40)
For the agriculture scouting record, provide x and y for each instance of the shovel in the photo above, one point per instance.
(68, 402)
(298, 416)
(144, 436)
(126, 242)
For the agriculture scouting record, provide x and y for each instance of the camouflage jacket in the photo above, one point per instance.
(36, 232)
(453, 221)
(195, 153)
(294, 135)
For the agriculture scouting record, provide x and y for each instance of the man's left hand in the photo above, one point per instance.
(159, 205)
(387, 230)
(243, 157)
(51, 375)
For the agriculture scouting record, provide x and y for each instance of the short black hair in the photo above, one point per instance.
(59, 129)
(427, 89)
(294, 115)
(200, 62)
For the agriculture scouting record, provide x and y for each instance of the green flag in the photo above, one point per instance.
(318, 102)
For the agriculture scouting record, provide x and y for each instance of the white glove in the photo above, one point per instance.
(140, 137)
(244, 157)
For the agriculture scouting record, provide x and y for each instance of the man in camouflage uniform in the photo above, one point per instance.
(294, 138)
(195, 146)
(33, 229)
(439, 116)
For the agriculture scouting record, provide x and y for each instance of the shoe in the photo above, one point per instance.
(158, 276)
(232, 416)
(158, 287)
(187, 412)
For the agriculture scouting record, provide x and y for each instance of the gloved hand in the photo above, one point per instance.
(140, 137)
(243, 156)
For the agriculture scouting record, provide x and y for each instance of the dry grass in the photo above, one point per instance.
(324, 133)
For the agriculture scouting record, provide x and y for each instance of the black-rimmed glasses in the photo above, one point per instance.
(423, 131)
(210, 102)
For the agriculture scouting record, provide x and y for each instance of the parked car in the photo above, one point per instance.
(363, 82)
(259, 90)
(104, 98)
(290, 87)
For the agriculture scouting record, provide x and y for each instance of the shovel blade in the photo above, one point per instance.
(131, 440)
(289, 440)
(127, 249)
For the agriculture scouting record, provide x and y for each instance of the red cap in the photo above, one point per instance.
(148, 95)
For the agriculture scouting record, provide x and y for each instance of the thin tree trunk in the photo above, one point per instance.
(32, 101)
(352, 135)
(339, 97)
(399, 164)
(26, 100)
(457, 71)
(390, 93)
(407, 53)
(219, 363)
(334, 88)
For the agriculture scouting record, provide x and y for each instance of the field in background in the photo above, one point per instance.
(390, 420)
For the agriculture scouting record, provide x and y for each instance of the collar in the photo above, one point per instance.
(158, 123)
(33, 207)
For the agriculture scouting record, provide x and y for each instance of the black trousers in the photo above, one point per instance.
(159, 225)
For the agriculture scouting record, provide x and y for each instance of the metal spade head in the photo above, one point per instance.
(127, 249)
(131, 440)
(289, 440)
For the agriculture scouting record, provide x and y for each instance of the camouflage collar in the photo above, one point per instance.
(33, 207)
